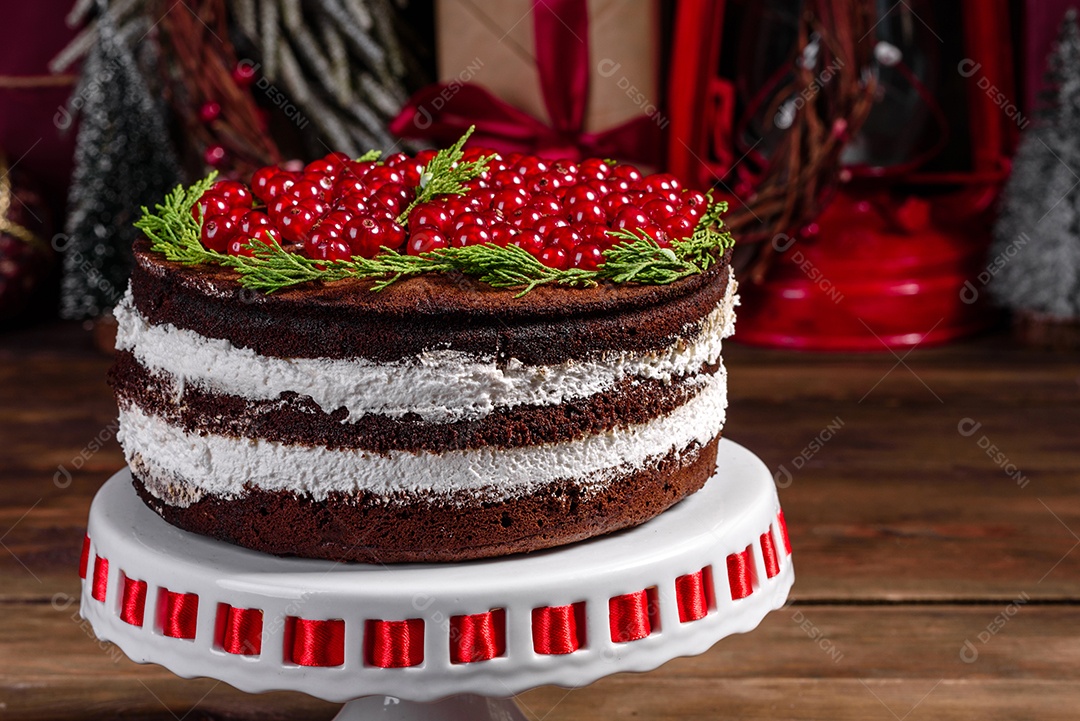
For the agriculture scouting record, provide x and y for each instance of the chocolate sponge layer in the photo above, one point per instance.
(549, 325)
(298, 420)
(372, 529)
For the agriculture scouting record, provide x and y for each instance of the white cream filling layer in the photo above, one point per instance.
(440, 386)
(180, 467)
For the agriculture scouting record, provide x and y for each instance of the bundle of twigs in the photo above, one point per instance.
(806, 164)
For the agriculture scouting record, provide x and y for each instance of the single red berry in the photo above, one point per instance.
(279, 185)
(237, 193)
(210, 204)
(547, 204)
(612, 203)
(214, 155)
(626, 171)
(251, 222)
(526, 217)
(588, 212)
(508, 179)
(470, 234)
(630, 218)
(278, 208)
(530, 241)
(594, 169)
(455, 205)
(531, 166)
(349, 185)
(395, 235)
(502, 234)
(209, 111)
(597, 234)
(332, 249)
(305, 189)
(217, 232)
(244, 73)
(679, 226)
(393, 196)
(364, 235)
(336, 218)
(546, 226)
(381, 175)
(508, 200)
(322, 166)
(325, 182)
(566, 238)
(655, 232)
(659, 210)
(661, 182)
(425, 238)
(260, 180)
(469, 217)
(580, 194)
(554, 256)
(396, 159)
(587, 256)
(429, 214)
(694, 199)
(296, 223)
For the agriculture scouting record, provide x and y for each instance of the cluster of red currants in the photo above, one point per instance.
(561, 212)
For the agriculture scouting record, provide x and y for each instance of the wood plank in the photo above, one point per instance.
(805, 661)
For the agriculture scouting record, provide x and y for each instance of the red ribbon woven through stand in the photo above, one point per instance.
(741, 573)
(84, 558)
(555, 629)
(180, 614)
(691, 596)
(101, 578)
(395, 644)
(628, 616)
(242, 631)
(318, 643)
(442, 112)
(478, 637)
(133, 602)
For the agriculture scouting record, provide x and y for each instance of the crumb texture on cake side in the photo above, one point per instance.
(433, 421)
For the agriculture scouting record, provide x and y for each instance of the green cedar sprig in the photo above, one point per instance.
(172, 229)
(446, 174)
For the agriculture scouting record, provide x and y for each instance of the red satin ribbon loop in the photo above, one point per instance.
(478, 637)
(317, 643)
(768, 553)
(741, 573)
(179, 614)
(555, 629)
(101, 578)
(442, 112)
(783, 531)
(133, 602)
(691, 596)
(84, 559)
(395, 644)
(241, 633)
(628, 616)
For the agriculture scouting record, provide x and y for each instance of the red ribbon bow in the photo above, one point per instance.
(442, 112)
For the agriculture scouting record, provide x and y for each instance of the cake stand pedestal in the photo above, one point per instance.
(439, 641)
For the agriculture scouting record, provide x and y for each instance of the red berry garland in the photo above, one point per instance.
(560, 212)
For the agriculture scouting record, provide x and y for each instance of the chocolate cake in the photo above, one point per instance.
(439, 417)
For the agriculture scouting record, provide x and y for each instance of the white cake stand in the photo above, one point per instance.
(725, 547)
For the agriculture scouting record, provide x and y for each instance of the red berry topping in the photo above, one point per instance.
(587, 256)
(470, 234)
(554, 257)
(332, 249)
(217, 232)
(210, 204)
(429, 214)
(630, 218)
(588, 212)
(425, 238)
(260, 182)
(529, 241)
(566, 238)
(296, 223)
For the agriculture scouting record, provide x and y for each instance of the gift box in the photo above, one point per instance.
(553, 77)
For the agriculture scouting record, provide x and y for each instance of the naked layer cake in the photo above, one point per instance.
(458, 390)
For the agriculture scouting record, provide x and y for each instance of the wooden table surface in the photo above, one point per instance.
(933, 501)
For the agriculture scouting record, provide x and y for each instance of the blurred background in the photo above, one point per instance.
(900, 173)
